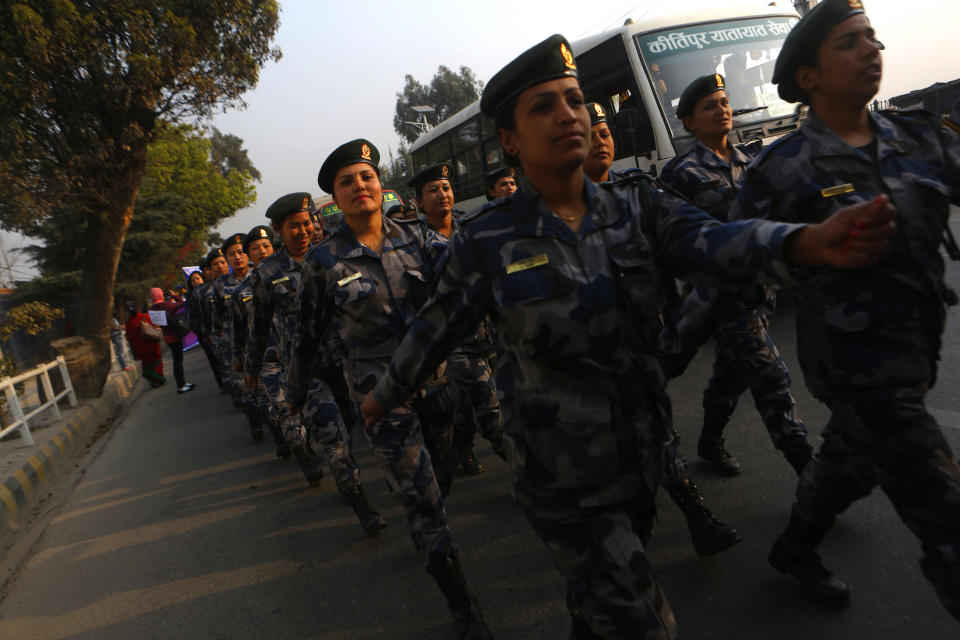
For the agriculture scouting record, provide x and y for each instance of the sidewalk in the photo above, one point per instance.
(25, 469)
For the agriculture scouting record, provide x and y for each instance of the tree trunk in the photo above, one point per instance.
(102, 244)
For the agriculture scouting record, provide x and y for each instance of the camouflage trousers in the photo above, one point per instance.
(434, 406)
(747, 358)
(321, 423)
(477, 404)
(328, 430)
(897, 444)
(397, 442)
(610, 585)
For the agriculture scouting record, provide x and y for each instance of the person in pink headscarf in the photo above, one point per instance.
(174, 308)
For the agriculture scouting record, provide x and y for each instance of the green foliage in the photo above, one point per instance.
(184, 192)
(33, 318)
(83, 84)
(448, 93)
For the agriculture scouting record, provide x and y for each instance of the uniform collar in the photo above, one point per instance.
(824, 142)
(394, 236)
(532, 217)
(707, 158)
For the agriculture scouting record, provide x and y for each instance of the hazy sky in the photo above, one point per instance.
(343, 63)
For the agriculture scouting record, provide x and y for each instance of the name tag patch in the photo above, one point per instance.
(279, 280)
(528, 263)
(345, 281)
(838, 190)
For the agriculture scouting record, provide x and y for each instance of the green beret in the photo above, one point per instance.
(259, 232)
(597, 114)
(702, 86)
(352, 152)
(236, 238)
(288, 205)
(441, 171)
(549, 60)
(803, 41)
(213, 254)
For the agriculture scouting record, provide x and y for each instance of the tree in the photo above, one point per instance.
(183, 194)
(83, 85)
(448, 93)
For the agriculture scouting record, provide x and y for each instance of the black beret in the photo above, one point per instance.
(597, 114)
(288, 205)
(549, 60)
(702, 86)
(259, 232)
(804, 39)
(441, 171)
(409, 206)
(491, 178)
(358, 150)
(236, 238)
(213, 254)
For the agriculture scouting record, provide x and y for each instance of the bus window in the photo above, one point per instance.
(607, 78)
(469, 168)
(419, 160)
(466, 136)
(743, 50)
(439, 150)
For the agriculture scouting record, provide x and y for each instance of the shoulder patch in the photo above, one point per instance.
(487, 206)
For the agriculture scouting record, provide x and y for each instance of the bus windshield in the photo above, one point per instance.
(743, 51)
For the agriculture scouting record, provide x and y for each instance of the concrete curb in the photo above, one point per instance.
(19, 490)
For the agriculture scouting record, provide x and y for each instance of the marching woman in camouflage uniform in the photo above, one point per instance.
(368, 280)
(709, 175)
(869, 340)
(708, 535)
(572, 275)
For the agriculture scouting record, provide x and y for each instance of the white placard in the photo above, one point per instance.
(158, 318)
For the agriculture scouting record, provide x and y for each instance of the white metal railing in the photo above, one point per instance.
(21, 421)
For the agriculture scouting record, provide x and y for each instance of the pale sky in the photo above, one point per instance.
(343, 63)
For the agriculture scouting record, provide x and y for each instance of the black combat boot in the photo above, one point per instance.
(371, 521)
(713, 451)
(709, 535)
(468, 462)
(794, 553)
(309, 464)
(798, 454)
(256, 427)
(448, 574)
(283, 449)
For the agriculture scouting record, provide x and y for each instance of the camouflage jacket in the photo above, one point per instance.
(274, 308)
(859, 330)
(707, 180)
(208, 309)
(229, 285)
(239, 310)
(577, 319)
(371, 297)
(479, 343)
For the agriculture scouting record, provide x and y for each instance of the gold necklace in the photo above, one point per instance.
(572, 219)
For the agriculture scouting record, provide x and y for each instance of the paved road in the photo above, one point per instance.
(180, 527)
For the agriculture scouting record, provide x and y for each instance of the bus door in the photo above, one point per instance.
(607, 78)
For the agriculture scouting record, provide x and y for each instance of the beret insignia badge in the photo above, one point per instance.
(444, 171)
(567, 56)
(365, 152)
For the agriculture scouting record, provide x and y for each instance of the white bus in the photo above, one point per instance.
(637, 72)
